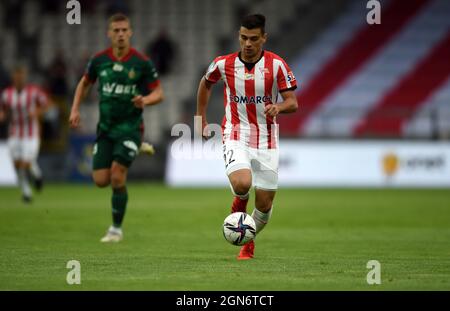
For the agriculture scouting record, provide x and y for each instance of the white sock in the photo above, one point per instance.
(243, 196)
(261, 219)
(35, 170)
(24, 183)
(115, 229)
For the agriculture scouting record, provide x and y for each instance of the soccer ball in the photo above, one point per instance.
(239, 228)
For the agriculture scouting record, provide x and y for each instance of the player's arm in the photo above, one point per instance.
(288, 105)
(4, 113)
(156, 96)
(81, 91)
(150, 78)
(44, 104)
(203, 95)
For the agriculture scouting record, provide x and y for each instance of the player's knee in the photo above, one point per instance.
(118, 175)
(101, 181)
(117, 178)
(241, 187)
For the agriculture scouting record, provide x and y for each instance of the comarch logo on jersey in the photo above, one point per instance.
(250, 99)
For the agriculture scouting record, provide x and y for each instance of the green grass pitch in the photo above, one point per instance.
(318, 239)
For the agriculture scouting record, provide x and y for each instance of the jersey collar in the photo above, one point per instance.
(250, 65)
(124, 58)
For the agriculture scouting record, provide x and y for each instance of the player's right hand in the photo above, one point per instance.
(74, 119)
(206, 134)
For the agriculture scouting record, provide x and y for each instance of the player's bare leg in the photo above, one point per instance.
(263, 208)
(118, 177)
(241, 182)
(102, 177)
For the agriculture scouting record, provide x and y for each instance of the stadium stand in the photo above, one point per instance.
(355, 80)
(363, 80)
(198, 27)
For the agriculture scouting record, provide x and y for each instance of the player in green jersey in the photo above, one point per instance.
(127, 82)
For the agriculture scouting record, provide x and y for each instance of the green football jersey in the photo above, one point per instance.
(119, 81)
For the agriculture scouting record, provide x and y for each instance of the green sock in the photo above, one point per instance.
(119, 205)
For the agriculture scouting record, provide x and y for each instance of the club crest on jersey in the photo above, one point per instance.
(264, 70)
(117, 67)
(249, 76)
(132, 74)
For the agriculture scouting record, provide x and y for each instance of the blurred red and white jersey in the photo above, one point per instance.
(21, 104)
(248, 88)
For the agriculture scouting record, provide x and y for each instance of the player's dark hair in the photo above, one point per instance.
(253, 21)
(118, 17)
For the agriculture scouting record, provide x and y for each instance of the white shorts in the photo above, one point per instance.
(23, 149)
(263, 163)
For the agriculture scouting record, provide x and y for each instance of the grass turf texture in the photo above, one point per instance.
(317, 240)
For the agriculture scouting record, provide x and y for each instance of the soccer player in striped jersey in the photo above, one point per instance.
(252, 79)
(128, 82)
(22, 104)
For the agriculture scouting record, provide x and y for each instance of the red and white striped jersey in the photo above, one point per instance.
(21, 104)
(247, 90)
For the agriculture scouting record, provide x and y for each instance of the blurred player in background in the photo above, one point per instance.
(252, 80)
(22, 104)
(128, 82)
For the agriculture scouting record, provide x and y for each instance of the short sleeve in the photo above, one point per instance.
(91, 73)
(150, 75)
(285, 78)
(213, 72)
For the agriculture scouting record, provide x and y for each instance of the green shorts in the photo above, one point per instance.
(122, 150)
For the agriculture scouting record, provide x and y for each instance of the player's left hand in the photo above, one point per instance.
(138, 101)
(271, 110)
